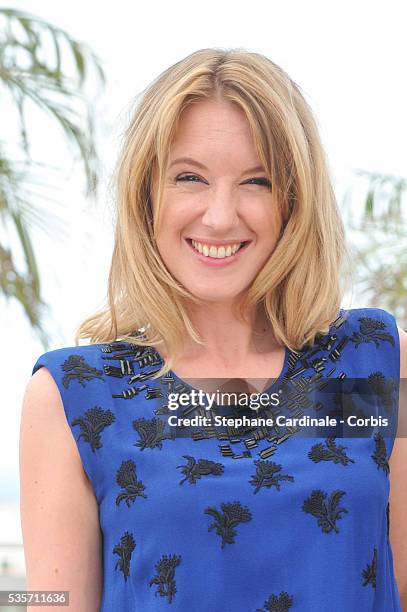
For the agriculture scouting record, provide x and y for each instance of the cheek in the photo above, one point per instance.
(169, 221)
(170, 236)
(177, 216)
(268, 225)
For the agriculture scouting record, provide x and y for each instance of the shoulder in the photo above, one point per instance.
(70, 355)
(374, 322)
(400, 336)
(71, 363)
(365, 313)
(46, 405)
(54, 369)
(372, 340)
(64, 384)
(58, 382)
(403, 352)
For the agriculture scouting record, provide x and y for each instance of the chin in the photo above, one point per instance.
(211, 296)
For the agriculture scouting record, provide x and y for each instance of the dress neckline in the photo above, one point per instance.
(269, 389)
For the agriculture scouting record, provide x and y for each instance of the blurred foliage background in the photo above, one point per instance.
(35, 69)
(377, 236)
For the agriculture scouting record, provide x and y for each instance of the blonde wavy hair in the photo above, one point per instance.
(299, 286)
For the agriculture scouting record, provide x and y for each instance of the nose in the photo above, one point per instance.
(221, 211)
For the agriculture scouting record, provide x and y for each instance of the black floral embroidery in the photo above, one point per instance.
(369, 573)
(327, 514)
(226, 520)
(92, 424)
(332, 452)
(380, 454)
(126, 478)
(384, 388)
(370, 331)
(151, 432)
(124, 550)
(278, 603)
(194, 469)
(266, 475)
(345, 406)
(77, 367)
(164, 578)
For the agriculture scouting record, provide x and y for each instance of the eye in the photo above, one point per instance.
(187, 176)
(261, 181)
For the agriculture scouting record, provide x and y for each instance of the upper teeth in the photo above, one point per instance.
(217, 252)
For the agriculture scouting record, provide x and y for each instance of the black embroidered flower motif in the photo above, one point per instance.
(126, 479)
(92, 424)
(370, 331)
(226, 520)
(332, 452)
(369, 573)
(164, 578)
(76, 367)
(193, 470)
(151, 432)
(380, 454)
(124, 550)
(278, 603)
(266, 475)
(326, 513)
(384, 388)
(345, 406)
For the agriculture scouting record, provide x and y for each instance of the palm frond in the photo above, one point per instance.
(31, 74)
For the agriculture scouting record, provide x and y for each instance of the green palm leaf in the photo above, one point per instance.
(30, 74)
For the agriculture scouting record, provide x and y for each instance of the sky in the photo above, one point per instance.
(348, 58)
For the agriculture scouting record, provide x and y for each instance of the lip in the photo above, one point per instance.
(218, 263)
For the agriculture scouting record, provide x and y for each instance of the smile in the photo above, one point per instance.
(219, 255)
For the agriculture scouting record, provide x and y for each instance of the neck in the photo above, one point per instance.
(226, 337)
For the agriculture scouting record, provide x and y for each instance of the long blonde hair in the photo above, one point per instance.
(299, 286)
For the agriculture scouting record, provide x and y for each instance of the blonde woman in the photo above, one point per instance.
(226, 265)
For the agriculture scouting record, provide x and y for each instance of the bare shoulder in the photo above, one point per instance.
(398, 479)
(398, 457)
(403, 352)
(42, 402)
(43, 420)
(59, 512)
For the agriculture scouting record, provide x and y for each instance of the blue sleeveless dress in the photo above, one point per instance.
(238, 519)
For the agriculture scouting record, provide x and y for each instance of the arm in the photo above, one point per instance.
(59, 511)
(398, 484)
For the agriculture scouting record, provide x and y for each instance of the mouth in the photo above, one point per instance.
(222, 256)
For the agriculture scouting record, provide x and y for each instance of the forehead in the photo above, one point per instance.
(210, 127)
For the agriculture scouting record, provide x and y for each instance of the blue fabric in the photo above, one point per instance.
(187, 527)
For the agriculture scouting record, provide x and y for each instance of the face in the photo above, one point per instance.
(219, 221)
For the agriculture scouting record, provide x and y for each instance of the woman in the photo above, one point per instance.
(226, 265)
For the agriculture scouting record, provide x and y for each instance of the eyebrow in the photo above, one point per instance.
(194, 162)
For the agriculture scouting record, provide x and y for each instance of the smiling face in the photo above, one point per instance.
(213, 202)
